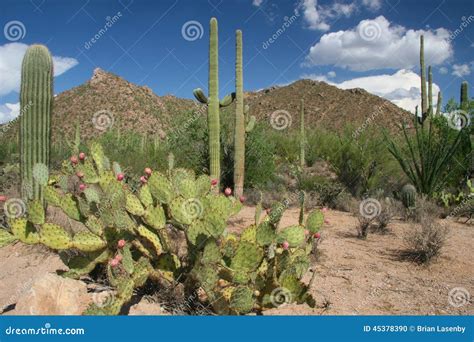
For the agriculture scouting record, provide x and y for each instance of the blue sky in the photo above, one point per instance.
(371, 44)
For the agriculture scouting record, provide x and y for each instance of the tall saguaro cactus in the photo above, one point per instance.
(36, 101)
(302, 136)
(239, 134)
(213, 103)
(424, 103)
(430, 91)
(464, 100)
(439, 103)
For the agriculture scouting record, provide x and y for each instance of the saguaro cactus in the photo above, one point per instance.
(464, 96)
(302, 136)
(36, 101)
(424, 103)
(439, 103)
(239, 134)
(213, 103)
(430, 91)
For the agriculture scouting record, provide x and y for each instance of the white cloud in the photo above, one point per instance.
(377, 44)
(461, 70)
(11, 56)
(373, 5)
(331, 74)
(317, 77)
(9, 111)
(318, 17)
(443, 70)
(402, 88)
(257, 2)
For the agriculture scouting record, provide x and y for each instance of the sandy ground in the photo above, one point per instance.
(354, 277)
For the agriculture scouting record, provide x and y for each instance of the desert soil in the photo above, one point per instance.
(353, 276)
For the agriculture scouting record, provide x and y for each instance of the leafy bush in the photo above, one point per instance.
(132, 235)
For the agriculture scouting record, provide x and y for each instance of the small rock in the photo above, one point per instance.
(145, 308)
(54, 295)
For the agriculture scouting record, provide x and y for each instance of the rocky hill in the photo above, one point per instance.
(108, 101)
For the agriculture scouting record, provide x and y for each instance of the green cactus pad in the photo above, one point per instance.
(35, 212)
(51, 196)
(241, 300)
(249, 234)
(294, 235)
(127, 259)
(81, 265)
(141, 272)
(211, 253)
(250, 124)
(6, 238)
(155, 217)
(276, 213)
(55, 237)
(240, 277)
(186, 187)
(99, 157)
(151, 237)
(87, 242)
(70, 208)
(206, 276)
(122, 220)
(265, 234)
(24, 231)
(315, 221)
(92, 196)
(247, 257)
(203, 185)
(90, 175)
(134, 206)
(160, 188)
(145, 196)
(181, 211)
(214, 223)
(197, 233)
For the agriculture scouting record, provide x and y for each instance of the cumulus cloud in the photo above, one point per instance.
(461, 70)
(373, 5)
(402, 88)
(9, 111)
(443, 70)
(11, 56)
(378, 44)
(257, 3)
(319, 17)
(331, 74)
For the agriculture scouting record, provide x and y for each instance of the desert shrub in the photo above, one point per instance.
(170, 231)
(363, 226)
(385, 216)
(345, 202)
(325, 191)
(424, 208)
(425, 240)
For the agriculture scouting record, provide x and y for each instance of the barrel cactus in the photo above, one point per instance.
(408, 196)
(36, 101)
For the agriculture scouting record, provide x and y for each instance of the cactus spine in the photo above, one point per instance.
(239, 134)
(36, 100)
(424, 103)
(302, 136)
(213, 103)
